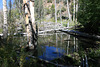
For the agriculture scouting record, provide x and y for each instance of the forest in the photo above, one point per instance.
(50, 33)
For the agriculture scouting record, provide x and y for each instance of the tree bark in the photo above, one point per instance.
(33, 24)
(55, 12)
(5, 25)
(30, 23)
(60, 12)
(68, 13)
(74, 11)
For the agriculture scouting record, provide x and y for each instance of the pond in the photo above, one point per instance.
(54, 46)
(57, 49)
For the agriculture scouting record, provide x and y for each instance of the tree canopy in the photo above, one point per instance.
(88, 15)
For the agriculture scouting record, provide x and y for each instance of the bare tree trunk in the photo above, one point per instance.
(30, 23)
(68, 10)
(68, 44)
(5, 26)
(68, 13)
(60, 12)
(43, 12)
(56, 42)
(33, 25)
(55, 12)
(27, 21)
(74, 11)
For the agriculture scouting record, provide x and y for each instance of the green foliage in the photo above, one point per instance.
(94, 53)
(1, 30)
(53, 10)
(48, 11)
(49, 1)
(39, 10)
(57, 1)
(8, 56)
(63, 9)
(88, 15)
(65, 2)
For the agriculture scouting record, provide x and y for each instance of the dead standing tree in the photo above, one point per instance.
(5, 25)
(30, 23)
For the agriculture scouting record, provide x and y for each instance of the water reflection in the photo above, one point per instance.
(68, 44)
(51, 53)
(55, 45)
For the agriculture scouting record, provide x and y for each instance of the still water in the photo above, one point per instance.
(52, 46)
(55, 45)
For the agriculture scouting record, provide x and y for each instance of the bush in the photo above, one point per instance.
(47, 11)
(53, 10)
(49, 1)
(63, 9)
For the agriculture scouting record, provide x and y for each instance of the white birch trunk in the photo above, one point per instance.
(5, 26)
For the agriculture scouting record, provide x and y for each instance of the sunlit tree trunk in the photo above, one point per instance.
(27, 21)
(68, 13)
(60, 12)
(68, 10)
(30, 23)
(55, 12)
(5, 25)
(33, 25)
(44, 3)
(74, 10)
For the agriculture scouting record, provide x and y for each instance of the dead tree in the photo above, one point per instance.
(55, 12)
(30, 23)
(74, 11)
(68, 10)
(5, 25)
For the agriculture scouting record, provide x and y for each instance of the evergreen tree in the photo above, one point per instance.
(88, 15)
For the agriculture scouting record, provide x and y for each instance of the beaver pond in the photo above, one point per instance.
(53, 50)
(64, 49)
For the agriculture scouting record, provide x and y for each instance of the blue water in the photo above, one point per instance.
(51, 53)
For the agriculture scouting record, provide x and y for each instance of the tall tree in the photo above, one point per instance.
(55, 12)
(74, 10)
(88, 16)
(68, 13)
(5, 26)
(60, 12)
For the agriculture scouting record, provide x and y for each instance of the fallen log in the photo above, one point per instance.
(49, 62)
(81, 34)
